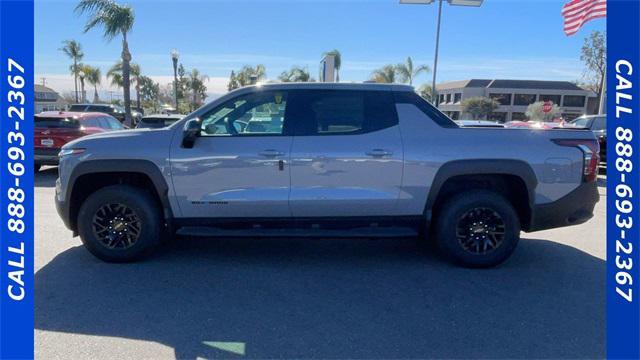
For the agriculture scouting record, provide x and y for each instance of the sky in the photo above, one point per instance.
(507, 39)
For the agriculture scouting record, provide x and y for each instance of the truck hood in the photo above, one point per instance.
(130, 138)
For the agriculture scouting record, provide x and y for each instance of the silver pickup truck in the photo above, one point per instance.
(328, 160)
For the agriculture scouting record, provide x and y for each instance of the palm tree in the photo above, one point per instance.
(115, 19)
(295, 74)
(196, 81)
(93, 76)
(386, 74)
(337, 61)
(115, 73)
(73, 49)
(406, 71)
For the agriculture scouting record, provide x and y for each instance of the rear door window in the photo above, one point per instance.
(55, 123)
(342, 112)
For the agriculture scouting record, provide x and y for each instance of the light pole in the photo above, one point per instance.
(474, 3)
(174, 58)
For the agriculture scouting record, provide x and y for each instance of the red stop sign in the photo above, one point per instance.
(547, 106)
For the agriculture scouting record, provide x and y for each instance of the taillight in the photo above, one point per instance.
(590, 155)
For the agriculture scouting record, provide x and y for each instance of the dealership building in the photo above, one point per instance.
(514, 96)
(47, 99)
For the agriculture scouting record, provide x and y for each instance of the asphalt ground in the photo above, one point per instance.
(317, 298)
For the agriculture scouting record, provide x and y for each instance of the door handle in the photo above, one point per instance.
(379, 152)
(271, 153)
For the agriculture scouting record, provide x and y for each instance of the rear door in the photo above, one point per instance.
(347, 157)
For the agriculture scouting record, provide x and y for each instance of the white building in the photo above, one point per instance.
(514, 96)
(46, 99)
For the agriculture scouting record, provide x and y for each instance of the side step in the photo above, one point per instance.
(366, 232)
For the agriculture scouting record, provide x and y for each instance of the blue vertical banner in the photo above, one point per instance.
(16, 179)
(623, 179)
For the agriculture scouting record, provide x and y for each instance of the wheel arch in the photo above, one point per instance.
(512, 178)
(91, 175)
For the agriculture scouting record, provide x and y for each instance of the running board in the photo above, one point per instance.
(365, 232)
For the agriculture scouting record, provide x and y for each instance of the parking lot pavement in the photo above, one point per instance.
(295, 298)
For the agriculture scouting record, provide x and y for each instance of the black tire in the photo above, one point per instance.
(468, 228)
(140, 209)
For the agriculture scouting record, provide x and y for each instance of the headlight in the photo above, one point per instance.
(65, 152)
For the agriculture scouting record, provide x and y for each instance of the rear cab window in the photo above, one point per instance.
(409, 97)
(341, 112)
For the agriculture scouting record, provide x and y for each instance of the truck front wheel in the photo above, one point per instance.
(119, 223)
(477, 228)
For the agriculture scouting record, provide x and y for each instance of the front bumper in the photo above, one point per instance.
(572, 209)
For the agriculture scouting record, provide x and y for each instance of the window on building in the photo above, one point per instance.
(454, 115)
(553, 98)
(441, 99)
(457, 97)
(524, 99)
(502, 99)
(573, 101)
(448, 98)
(518, 116)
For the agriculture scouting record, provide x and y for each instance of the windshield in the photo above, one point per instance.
(581, 122)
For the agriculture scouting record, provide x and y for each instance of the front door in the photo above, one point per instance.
(238, 167)
(347, 156)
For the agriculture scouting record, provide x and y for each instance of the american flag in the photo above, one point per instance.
(578, 12)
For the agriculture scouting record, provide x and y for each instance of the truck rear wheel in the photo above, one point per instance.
(119, 223)
(477, 228)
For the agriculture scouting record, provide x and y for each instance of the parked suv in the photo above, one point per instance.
(114, 110)
(53, 129)
(326, 160)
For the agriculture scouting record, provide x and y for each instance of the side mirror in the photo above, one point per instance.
(191, 132)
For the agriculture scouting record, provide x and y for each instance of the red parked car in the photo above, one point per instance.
(53, 129)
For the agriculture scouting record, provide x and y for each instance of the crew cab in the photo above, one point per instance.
(327, 160)
(53, 129)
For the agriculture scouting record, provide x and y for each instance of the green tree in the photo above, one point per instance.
(251, 75)
(479, 106)
(233, 82)
(115, 20)
(594, 55)
(149, 92)
(425, 92)
(534, 112)
(115, 73)
(386, 74)
(406, 72)
(73, 50)
(93, 75)
(337, 62)
(195, 81)
(295, 74)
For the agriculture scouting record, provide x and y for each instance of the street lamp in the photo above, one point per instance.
(174, 58)
(475, 3)
(81, 74)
